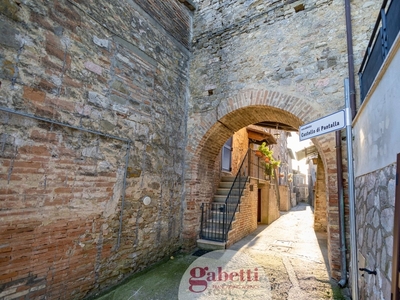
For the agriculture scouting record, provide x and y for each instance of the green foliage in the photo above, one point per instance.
(265, 150)
(275, 163)
(269, 166)
(269, 170)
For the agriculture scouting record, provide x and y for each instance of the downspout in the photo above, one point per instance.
(352, 96)
(350, 59)
(343, 276)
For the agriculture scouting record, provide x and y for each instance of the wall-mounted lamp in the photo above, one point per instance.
(277, 134)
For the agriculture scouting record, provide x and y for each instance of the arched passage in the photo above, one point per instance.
(214, 127)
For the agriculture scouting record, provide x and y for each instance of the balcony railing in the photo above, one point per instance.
(383, 36)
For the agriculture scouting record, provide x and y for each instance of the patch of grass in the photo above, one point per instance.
(160, 281)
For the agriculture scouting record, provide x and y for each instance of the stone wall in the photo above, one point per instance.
(375, 150)
(320, 215)
(119, 81)
(375, 198)
(273, 203)
(121, 74)
(284, 198)
(279, 61)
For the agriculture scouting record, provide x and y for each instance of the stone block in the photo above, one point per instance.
(104, 43)
(93, 67)
(8, 34)
(34, 95)
(98, 100)
(6, 69)
(10, 9)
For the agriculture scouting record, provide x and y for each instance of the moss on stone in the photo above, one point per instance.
(161, 281)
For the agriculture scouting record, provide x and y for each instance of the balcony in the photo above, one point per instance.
(383, 36)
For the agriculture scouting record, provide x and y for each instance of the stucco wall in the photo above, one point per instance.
(376, 128)
(376, 145)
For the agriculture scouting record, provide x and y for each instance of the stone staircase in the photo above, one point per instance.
(213, 231)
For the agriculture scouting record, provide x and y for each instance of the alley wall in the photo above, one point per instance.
(376, 145)
(116, 75)
(250, 57)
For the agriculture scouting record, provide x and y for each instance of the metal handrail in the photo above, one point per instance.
(243, 169)
(217, 218)
(383, 35)
(373, 36)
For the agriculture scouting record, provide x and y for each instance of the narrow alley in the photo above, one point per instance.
(293, 256)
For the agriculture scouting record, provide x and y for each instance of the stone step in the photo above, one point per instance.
(210, 245)
(222, 198)
(228, 184)
(213, 234)
(227, 179)
(230, 208)
(225, 191)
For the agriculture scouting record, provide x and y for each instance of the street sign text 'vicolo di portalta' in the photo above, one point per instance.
(333, 122)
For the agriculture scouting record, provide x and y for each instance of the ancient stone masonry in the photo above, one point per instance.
(247, 45)
(97, 111)
(282, 61)
(114, 71)
(375, 198)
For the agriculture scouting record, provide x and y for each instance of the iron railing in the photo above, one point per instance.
(216, 217)
(383, 36)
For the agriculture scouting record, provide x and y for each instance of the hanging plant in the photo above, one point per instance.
(275, 164)
(270, 162)
(269, 171)
(264, 149)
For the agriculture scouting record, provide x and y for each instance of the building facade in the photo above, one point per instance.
(113, 116)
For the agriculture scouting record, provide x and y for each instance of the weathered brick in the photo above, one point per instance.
(35, 95)
(38, 135)
(71, 82)
(47, 86)
(50, 65)
(40, 20)
(55, 50)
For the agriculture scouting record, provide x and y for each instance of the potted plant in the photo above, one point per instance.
(275, 164)
(264, 149)
(259, 153)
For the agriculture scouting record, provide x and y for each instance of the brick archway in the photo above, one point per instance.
(209, 130)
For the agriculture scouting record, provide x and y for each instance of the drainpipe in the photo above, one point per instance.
(351, 105)
(343, 278)
(352, 94)
(350, 59)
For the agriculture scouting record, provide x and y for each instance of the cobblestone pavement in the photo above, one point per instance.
(292, 255)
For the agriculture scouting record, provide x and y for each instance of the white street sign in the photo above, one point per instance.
(333, 122)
